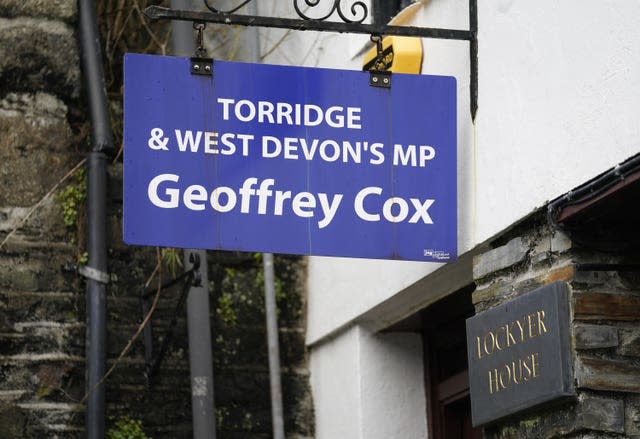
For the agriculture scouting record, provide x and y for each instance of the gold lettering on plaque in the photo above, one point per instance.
(501, 338)
(515, 372)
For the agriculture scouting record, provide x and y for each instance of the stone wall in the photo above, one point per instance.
(605, 328)
(41, 328)
(42, 298)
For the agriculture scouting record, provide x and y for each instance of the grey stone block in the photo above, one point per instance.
(595, 336)
(39, 55)
(600, 414)
(36, 153)
(560, 242)
(12, 421)
(499, 258)
(586, 416)
(58, 9)
(608, 375)
(632, 416)
(630, 342)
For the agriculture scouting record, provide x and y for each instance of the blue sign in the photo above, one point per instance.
(289, 160)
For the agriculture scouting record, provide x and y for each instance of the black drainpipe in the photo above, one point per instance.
(96, 270)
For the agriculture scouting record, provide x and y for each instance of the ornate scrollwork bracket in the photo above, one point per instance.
(350, 22)
(359, 10)
(342, 16)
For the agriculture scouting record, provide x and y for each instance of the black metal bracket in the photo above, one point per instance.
(191, 277)
(313, 24)
(387, 61)
(352, 22)
(202, 66)
(380, 78)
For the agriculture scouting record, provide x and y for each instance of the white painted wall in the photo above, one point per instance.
(392, 394)
(368, 386)
(559, 92)
(335, 384)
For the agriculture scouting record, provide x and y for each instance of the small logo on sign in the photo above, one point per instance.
(437, 254)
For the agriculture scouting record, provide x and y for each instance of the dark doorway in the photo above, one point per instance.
(446, 376)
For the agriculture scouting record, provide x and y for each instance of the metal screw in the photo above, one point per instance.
(385, 80)
(375, 79)
(207, 68)
(196, 67)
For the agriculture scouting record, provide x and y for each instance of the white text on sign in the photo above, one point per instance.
(165, 192)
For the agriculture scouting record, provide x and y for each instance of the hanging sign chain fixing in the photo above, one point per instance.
(379, 77)
(200, 64)
(379, 64)
(201, 52)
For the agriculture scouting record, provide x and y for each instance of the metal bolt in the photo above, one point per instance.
(196, 67)
(375, 79)
(207, 68)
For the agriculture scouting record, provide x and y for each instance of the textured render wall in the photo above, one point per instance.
(368, 386)
(392, 394)
(557, 97)
(44, 130)
(605, 331)
(335, 381)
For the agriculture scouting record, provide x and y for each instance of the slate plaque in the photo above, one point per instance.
(519, 354)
